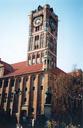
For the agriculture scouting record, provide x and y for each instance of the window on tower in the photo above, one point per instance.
(48, 61)
(37, 38)
(36, 46)
(33, 58)
(37, 29)
(37, 55)
(29, 59)
(44, 61)
(42, 54)
(41, 40)
(38, 58)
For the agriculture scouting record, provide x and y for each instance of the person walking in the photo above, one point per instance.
(33, 122)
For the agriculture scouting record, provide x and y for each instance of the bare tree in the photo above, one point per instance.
(69, 95)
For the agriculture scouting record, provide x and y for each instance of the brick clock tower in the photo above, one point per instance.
(42, 48)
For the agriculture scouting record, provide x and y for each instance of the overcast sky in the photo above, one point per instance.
(14, 30)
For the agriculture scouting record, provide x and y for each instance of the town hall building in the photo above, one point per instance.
(28, 88)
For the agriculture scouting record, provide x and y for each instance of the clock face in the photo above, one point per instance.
(37, 21)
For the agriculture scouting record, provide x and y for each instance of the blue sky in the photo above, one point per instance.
(14, 30)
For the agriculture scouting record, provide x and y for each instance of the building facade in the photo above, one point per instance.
(27, 88)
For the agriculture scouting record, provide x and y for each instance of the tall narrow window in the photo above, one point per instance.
(6, 83)
(33, 57)
(38, 58)
(41, 40)
(36, 42)
(38, 55)
(29, 59)
(37, 38)
(30, 43)
(37, 29)
(12, 83)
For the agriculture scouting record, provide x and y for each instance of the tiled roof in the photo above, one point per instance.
(22, 68)
(57, 71)
(6, 65)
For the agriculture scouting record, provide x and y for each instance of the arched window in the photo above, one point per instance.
(29, 59)
(41, 81)
(37, 38)
(48, 61)
(38, 58)
(6, 83)
(44, 61)
(25, 83)
(12, 82)
(33, 58)
(42, 54)
(38, 55)
(17, 90)
(32, 82)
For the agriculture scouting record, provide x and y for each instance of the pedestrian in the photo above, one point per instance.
(33, 122)
(21, 126)
(18, 126)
